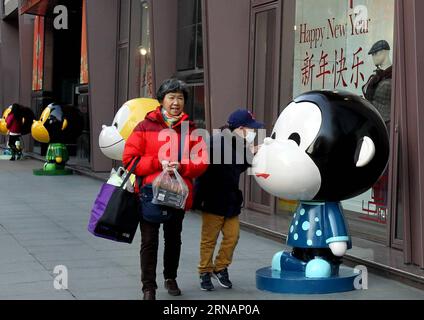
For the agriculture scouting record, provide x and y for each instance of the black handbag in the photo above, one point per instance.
(120, 219)
(151, 212)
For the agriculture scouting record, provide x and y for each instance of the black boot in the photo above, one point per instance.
(13, 152)
(149, 294)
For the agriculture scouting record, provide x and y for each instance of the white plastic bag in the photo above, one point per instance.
(117, 177)
(170, 190)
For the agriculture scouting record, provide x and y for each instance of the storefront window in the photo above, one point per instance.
(190, 57)
(123, 52)
(195, 105)
(348, 45)
(146, 78)
(189, 45)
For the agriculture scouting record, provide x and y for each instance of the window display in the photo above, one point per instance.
(347, 45)
(146, 76)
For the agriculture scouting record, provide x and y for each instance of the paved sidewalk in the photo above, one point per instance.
(43, 223)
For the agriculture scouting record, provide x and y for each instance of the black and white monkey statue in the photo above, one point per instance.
(325, 147)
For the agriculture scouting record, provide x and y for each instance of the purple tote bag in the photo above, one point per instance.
(113, 215)
(99, 207)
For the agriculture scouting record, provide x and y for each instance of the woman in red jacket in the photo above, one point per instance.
(153, 141)
(14, 125)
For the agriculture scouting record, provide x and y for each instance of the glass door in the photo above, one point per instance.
(263, 86)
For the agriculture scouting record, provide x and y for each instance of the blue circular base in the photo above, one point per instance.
(295, 282)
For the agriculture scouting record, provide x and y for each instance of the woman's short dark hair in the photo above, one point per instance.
(172, 86)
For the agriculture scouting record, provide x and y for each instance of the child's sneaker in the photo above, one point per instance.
(206, 282)
(223, 278)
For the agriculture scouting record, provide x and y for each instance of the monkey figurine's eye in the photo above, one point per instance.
(295, 137)
(274, 136)
(299, 122)
(116, 125)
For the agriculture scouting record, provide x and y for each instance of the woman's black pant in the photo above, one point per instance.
(149, 249)
(12, 144)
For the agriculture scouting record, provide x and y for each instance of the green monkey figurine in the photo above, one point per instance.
(56, 124)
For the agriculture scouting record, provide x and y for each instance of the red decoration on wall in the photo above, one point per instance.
(84, 54)
(339, 68)
(376, 209)
(357, 62)
(323, 63)
(38, 54)
(307, 69)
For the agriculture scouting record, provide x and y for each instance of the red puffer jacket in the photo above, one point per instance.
(13, 124)
(153, 141)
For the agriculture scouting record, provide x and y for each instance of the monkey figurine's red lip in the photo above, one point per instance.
(263, 175)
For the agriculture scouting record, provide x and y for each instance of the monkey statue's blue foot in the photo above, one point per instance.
(318, 268)
(285, 261)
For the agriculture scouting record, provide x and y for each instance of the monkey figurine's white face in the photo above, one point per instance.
(282, 167)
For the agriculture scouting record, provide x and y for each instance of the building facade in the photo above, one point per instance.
(255, 54)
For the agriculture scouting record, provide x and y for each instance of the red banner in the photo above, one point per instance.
(38, 54)
(84, 55)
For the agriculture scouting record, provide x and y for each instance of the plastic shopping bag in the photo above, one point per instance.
(118, 176)
(170, 190)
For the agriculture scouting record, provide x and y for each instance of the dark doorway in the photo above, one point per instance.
(67, 64)
(67, 55)
(62, 63)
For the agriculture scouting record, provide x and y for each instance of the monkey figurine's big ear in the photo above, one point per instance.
(365, 152)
